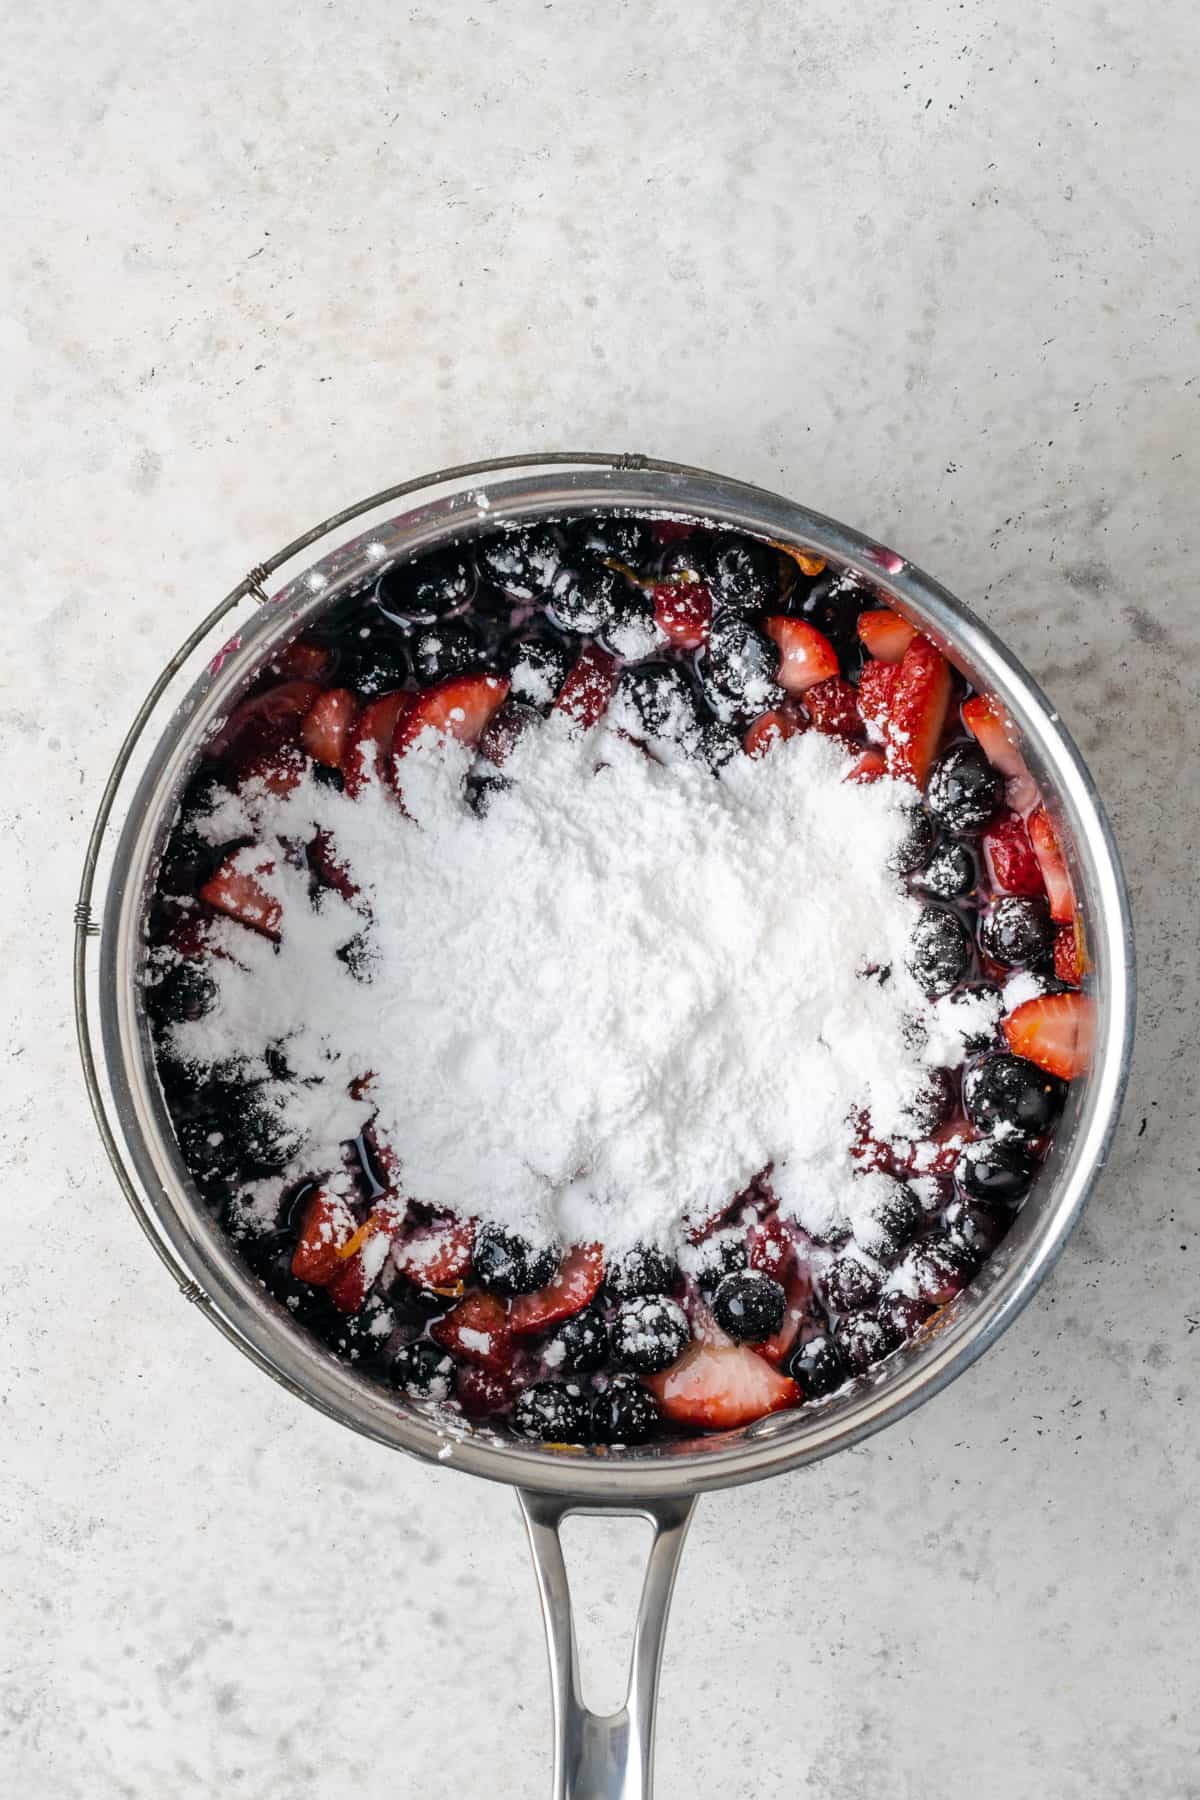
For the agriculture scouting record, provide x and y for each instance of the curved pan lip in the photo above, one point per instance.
(238, 1304)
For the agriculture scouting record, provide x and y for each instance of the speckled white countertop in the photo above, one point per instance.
(929, 267)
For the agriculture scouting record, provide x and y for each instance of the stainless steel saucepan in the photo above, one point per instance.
(596, 1758)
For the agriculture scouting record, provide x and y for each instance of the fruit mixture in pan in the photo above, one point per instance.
(612, 979)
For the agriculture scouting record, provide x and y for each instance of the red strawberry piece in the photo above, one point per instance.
(770, 1246)
(325, 731)
(1054, 868)
(235, 891)
(806, 655)
(936, 1154)
(586, 692)
(277, 767)
(716, 1386)
(996, 736)
(301, 661)
(797, 1309)
(459, 708)
(1070, 953)
(885, 634)
(869, 767)
(477, 1329)
(1009, 856)
(437, 1255)
(573, 1288)
(771, 728)
(383, 1152)
(351, 1285)
(920, 701)
(370, 740)
(266, 718)
(1055, 1031)
(334, 872)
(833, 707)
(480, 1392)
(325, 1226)
(876, 685)
(683, 612)
(504, 732)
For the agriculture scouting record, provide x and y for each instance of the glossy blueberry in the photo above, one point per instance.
(865, 1339)
(886, 1218)
(265, 1137)
(974, 1227)
(963, 788)
(360, 957)
(742, 574)
(184, 991)
(424, 1371)
(649, 1333)
(631, 633)
(717, 744)
(642, 1270)
(832, 603)
(524, 564)
(453, 647)
(934, 1270)
(539, 668)
(749, 1306)
(653, 700)
(918, 840)
(626, 540)
(722, 1254)
(586, 599)
(1011, 1095)
(931, 1104)
(508, 1264)
(377, 663)
(849, 1284)
(939, 951)
(818, 1367)
(208, 1141)
(949, 873)
(903, 1313)
(995, 1169)
(428, 588)
(1016, 932)
(552, 1412)
(584, 1341)
(737, 669)
(625, 1413)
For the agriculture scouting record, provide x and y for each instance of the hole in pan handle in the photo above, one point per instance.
(604, 1757)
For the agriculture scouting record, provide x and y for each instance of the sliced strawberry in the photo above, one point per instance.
(797, 1309)
(458, 708)
(806, 655)
(869, 767)
(265, 718)
(573, 1288)
(1008, 853)
(351, 1285)
(717, 1386)
(589, 686)
(302, 662)
(683, 612)
(885, 634)
(920, 701)
(833, 707)
(370, 740)
(325, 1226)
(326, 728)
(771, 728)
(1069, 963)
(996, 735)
(236, 892)
(770, 1246)
(278, 767)
(477, 1329)
(387, 1216)
(480, 1392)
(1055, 1031)
(437, 1255)
(876, 685)
(1054, 868)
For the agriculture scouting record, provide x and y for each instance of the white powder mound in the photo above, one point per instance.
(599, 1010)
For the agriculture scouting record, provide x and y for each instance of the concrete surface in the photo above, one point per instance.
(932, 268)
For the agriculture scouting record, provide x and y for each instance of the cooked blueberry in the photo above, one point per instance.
(525, 564)
(539, 668)
(903, 1313)
(584, 1341)
(481, 790)
(552, 1413)
(818, 1367)
(833, 604)
(504, 731)
(185, 991)
(428, 588)
(939, 952)
(209, 1145)
(1013, 1096)
(865, 1339)
(722, 1254)
(649, 1333)
(326, 776)
(362, 1337)
(975, 1227)
(742, 574)
(950, 872)
(737, 669)
(378, 664)
(266, 1138)
(886, 1215)
(654, 700)
(995, 1169)
(850, 1284)
(914, 847)
(206, 790)
(749, 1306)
(625, 1413)
(931, 1104)
(1017, 932)
(963, 788)
(586, 599)
(642, 1270)
(717, 744)
(453, 647)
(625, 540)
(631, 633)
(424, 1371)
(934, 1270)
(509, 1264)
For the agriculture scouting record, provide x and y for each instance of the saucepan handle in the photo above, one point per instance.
(597, 1757)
